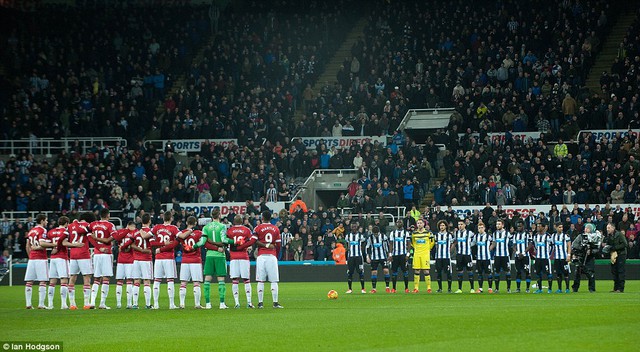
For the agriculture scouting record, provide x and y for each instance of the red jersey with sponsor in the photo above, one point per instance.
(165, 238)
(57, 236)
(194, 256)
(124, 238)
(242, 237)
(33, 237)
(143, 243)
(78, 231)
(267, 234)
(102, 229)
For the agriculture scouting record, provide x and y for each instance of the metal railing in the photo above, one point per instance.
(22, 216)
(50, 146)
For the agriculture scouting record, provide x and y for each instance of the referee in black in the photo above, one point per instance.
(618, 250)
(355, 243)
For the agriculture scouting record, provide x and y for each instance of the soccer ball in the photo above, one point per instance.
(333, 294)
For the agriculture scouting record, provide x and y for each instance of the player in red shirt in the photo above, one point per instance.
(80, 258)
(267, 237)
(191, 267)
(142, 265)
(124, 268)
(239, 264)
(102, 232)
(165, 264)
(37, 265)
(57, 240)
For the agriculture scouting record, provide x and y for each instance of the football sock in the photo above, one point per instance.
(260, 291)
(427, 278)
(50, 293)
(566, 282)
(183, 293)
(559, 283)
(197, 293)
(171, 289)
(439, 279)
(362, 282)
(235, 291)
(42, 293)
(207, 292)
(119, 293)
(274, 291)
(156, 293)
(374, 281)
(459, 281)
(497, 281)
(394, 280)
(416, 281)
(135, 295)
(490, 281)
(94, 292)
(540, 283)
(550, 281)
(480, 280)
(405, 276)
(386, 280)
(88, 292)
(64, 292)
(528, 281)
(104, 292)
(518, 281)
(247, 290)
(72, 295)
(449, 283)
(508, 281)
(147, 295)
(349, 282)
(222, 290)
(129, 292)
(27, 293)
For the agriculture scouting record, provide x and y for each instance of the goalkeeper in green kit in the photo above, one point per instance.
(216, 261)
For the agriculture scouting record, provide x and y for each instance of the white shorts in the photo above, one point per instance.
(77, 266)
(239, 268)
(191, 272)
(37, 270)
(164, 269)
(267, 268)
(124, 271)
(142, 269)
(58, 268)
(103, 265)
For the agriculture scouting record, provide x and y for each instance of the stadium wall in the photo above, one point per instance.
(328, 272)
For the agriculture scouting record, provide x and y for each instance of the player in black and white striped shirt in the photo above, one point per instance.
(561, 254)
(483, 257)
(522, 246)
(399, 239)
(501, 259)
(464, 240)
(378, 253)
(543, 242)
(355, 241)
(444, 246)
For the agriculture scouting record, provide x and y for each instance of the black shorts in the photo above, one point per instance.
(501, 264)
(523, 264)
(354, 264)
(483, 266)
(464, 262)
(377, 263)
(543, 266)
(399, 263)
(561, 267)
(443, 265)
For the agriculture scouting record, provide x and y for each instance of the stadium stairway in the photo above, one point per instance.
(427, 199)
(609, 51)
(333, 66)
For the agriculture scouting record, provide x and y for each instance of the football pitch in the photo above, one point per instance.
(371, 322)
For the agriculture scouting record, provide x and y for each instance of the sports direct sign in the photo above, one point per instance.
(194, 145)
(225, 208)
(340, 142)
(501, 136)
(608, 134)
(525, 210)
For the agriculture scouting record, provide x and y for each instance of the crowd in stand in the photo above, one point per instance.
(506, 67)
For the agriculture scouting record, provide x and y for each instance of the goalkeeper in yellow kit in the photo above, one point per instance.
(422, 241)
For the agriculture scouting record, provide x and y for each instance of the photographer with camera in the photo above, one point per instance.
(616, 244)
(584, 249)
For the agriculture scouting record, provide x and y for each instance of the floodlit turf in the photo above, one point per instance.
(356, 322)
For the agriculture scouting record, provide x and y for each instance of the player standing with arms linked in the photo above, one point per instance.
(444, 246)
(215, 263)
(399, 239)
(562, 255)
(37, 265)
(142, 265)
(102, 233)
(483, 257)
(422, 242)
(543, 243)
(239, 265)
(267, 237)
(464, 240)
(378, 250)
(80, 262)
(501, 260)
(191, 267)
(124, 266)
(165, 264)
(522, 244)
(356, 241)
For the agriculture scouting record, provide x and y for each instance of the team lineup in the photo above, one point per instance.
(71, 256)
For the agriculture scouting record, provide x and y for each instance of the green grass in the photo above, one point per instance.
(310, 322)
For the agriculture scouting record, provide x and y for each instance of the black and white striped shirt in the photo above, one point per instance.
(502, 239)
(378, 246)
(399, 239)
(543, 243)
(355, 241)
(443, 245)
(560, 241)
(464, 241)
(483, 241)
(522, 241)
